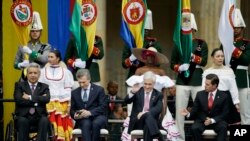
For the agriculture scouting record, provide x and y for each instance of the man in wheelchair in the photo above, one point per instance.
(31, 97)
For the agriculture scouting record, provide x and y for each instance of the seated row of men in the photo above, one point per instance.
(89, 103)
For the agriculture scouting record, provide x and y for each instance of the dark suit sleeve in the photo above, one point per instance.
(18, 93)
(40, 98)
(196, 111)
(102, 103)
(73, 104)
(128, 100)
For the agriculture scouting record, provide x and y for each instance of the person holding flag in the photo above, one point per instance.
(129, 61)
(188, 57)
(36, 50)
(239, 62)
(85, 48)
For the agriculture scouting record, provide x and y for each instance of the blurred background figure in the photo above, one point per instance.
(112, 89)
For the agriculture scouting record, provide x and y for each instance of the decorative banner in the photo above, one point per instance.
(183, 31)
(132, 26)
(83, 27)
(21, 13)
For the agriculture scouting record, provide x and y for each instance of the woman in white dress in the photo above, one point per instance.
(60, 81)
(152, 59)
(227, 83)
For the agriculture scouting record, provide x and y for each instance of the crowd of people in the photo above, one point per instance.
(68, 93)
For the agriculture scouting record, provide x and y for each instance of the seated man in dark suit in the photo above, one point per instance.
(210, 110)
(147, 106)
(88, 106)
(31, 97)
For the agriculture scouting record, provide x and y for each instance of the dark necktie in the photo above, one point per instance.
(210, 101)
(146, 103)
(85, 96)
(32, 110)
(112, 104)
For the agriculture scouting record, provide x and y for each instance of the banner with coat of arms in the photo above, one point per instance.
(21, 13)
(132, 24)
(183, 31)
(83, 26)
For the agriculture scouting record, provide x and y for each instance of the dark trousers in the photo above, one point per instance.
(24, 124)
(220, 128)
(91, 127)
(149, 125)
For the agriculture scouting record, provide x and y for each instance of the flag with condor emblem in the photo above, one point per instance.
(132, 23)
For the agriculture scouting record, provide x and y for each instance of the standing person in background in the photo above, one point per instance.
(60, 81)
(88, 106)
(227, 84)
(186, 86)
(129, 61)
(210, 110)
(239, 63)
(74, 62)
(37, 51)
(112, 89)
(31, 98)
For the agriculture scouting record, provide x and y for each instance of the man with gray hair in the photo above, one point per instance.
(147, 106)
(88, 106)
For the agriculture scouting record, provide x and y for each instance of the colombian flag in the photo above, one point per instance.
(132, 24)
(83, 27)
(183, 32)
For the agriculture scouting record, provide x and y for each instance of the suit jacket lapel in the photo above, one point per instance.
(206, 100)
(142, 95)
(152, 98)
(91, 95)
(27, 88)
(216, 99)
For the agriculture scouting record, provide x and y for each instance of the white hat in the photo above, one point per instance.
(36, 22)
(193, 22)
(238, 19)
(149, 20)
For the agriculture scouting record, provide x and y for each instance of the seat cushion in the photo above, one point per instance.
(79, 131)
(140, 132)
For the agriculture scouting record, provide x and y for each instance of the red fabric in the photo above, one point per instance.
(210, 101)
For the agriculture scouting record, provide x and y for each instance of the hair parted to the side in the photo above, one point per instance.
(83, 72)
(34, 65)
(214, 79)
(149, 75)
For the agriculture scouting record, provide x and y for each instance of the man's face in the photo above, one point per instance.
(83, 82)
(172, 90)
(238, 31)
(33, 75)
(148, 85)
(35, 34)
(209, 87)
(112, 88)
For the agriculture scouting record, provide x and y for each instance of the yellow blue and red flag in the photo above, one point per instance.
(132, 23)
